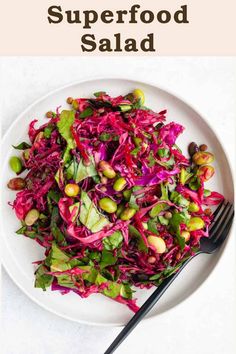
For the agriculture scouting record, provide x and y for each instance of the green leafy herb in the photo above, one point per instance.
(78, 172)
(22, 146)
(66, 281)
(114, 241)
(152, 226)
(151, 160)
(207, 193)
(21, 231)
(32, 233)
(137, 104)
(90, 275)
(157, 209)
(175, 221)
(104, 136)
(86, 113)
(132, 202)
(164, 192)
(127, 194)
(96, 256)
(42, 279)
(165, 273)
(178, 199)
(54, 195)
(136, 188)
(167, 163)
(64, 124)
(163, 221)
(113, 290)
(136, 234)
(90, 216)
(58, 235)
(48, 131)
(107, 259)
(195, 183)
(163, 152)
(126, 291)
(135, 151)
(184, 176)
(58, 260)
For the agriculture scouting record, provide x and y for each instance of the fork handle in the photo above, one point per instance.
(144, 309)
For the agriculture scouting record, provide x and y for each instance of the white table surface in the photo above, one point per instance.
(206, 322)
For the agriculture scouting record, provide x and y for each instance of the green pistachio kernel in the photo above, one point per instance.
(15, 164)
(127, 214)
(119, 184)
(195, 223)
(108, 205)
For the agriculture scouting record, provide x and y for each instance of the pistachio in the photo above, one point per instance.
(185, 235)
(69, 100)
(49, 114)
(139, 95)
(108, 205)
(72, 190)
(26, 154)
(193, 207)
(203, 157)
(38, 137)
(203, 147)
(75, 105)
(15, 164)
(192, 148)
(206, 172)
(106, 169)
(31, 217)
(158, 243)
(195, 223)
(125, 107)
(168, 215)
(119, 184)
(16, 184)
(127, 214)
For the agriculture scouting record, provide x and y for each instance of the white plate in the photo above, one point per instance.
(19, 252)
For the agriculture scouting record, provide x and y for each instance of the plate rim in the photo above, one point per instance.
(131, 79)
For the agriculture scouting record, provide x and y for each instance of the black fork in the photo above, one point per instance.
(218, 231)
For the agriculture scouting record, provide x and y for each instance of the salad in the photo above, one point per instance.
(108, 193)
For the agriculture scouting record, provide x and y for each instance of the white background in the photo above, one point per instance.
(206, 322)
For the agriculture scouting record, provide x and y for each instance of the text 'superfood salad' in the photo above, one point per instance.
(110, 196)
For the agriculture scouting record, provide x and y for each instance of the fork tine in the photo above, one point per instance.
(218, 209)
(217, 214)
(221, 222)
(219, 218)
(225, 232)
(224, 227)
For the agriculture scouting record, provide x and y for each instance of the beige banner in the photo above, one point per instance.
(164, 27)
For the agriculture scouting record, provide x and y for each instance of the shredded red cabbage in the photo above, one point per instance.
(111, 198)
